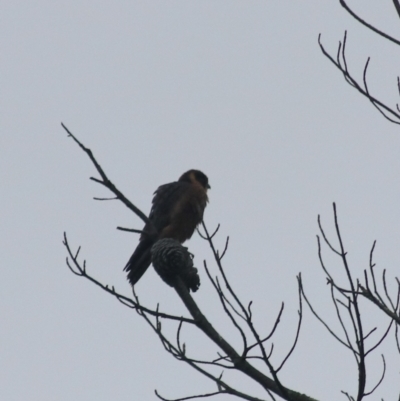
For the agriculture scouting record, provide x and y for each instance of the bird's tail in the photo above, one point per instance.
(139, 261)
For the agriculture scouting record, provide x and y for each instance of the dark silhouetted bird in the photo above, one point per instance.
(177, 210)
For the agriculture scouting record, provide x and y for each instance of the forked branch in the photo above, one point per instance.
(340, 62)
(346, 301)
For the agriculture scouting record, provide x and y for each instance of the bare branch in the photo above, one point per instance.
(320, 319)
(282, 389)
(224, 305)
(367, 294)
(277, 321)
(397, 6)
(349, 397)
(104, 199)
(300, 312)
(396, 335)
(342, 66)
(325, 237)
(335, 303)
(192, 397)
(217, 287)
(369, 26)
(131, 230)
(240, 363)
(105, 180)
(225, 248)
(81, 271)
(379, 342)
(380, 380)
(386, 290)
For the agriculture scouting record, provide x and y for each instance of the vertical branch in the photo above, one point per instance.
(359, 328)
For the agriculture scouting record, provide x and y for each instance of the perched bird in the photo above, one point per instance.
(176, 211)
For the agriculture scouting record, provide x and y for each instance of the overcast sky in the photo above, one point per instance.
(238, 89)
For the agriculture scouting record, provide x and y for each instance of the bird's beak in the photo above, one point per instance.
(208, 186)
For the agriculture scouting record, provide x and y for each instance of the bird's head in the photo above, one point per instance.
(195, 176)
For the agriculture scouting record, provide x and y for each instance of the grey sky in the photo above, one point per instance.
(238, 89)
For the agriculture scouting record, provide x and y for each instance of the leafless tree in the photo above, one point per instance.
(391, 113)
(256, 347)
(347, 302)
(370, 288)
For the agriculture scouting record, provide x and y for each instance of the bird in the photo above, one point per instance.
(177, 209)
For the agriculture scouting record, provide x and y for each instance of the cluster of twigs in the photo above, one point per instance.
(384, 303)
(346, 301)
(392, 114)
(240, 315)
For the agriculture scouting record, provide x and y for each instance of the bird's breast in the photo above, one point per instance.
(186, 215)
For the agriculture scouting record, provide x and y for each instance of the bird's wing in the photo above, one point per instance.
(164, 201)
(166, 197)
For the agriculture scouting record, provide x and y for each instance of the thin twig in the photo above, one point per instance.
(245, 313)
(105, 180)
(320, 319)
(81, 271)
(350, 80)
(369, 26)
(380, 380)
(131, 230)
(277, 321)
(192, 397)
(300, 312)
